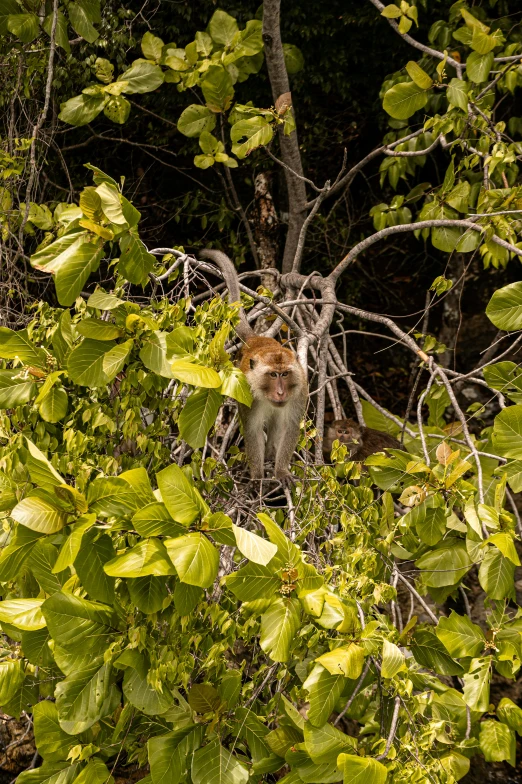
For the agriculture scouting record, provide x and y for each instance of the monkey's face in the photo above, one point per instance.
(346, 432)
(274, 377)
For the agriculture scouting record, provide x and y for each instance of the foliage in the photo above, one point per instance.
(140, 621)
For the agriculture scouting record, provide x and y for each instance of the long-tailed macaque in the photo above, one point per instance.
(278, 384)
(361, 441)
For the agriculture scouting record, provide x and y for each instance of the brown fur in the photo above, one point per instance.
(361, 441)
(279, 389)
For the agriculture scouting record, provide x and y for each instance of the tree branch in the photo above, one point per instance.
(290, 154)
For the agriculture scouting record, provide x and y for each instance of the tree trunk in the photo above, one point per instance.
(289, 144)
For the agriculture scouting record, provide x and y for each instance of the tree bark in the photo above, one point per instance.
(267, 227)
(289, 144)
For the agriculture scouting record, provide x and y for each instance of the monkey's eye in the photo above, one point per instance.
(284, 374)
(274, 375)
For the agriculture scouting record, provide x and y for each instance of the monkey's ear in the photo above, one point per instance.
(252, 363)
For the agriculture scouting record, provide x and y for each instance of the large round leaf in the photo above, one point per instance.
(149, 557)
(404, 99)
(23, 613)
(196, 375)
(195, 119)
(445, 565)
(195, 558)
(198, 415)
(39, 514)
(279, 625)
(178, 495)
(505, 307)
(254, 547)
(507, 432)
(142, 77)
(85, 363)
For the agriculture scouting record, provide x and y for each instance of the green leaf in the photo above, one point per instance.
(445, 565)
(41, 562)
(152, 47)
(71, 546)
(81, 23)
(170, 755)
(198, 415)
(324, 691)
(81, 698)
(39, 514)
(222, 28)
(142, 695)
(497, 742)
(213, 764)
(149, 557)
(23, 26)
(248, 134)
(95, 772)
(483, 43)
(476, 684)
(418, 75)
(117, 109)
(392, 660)
(148, 593)
(142, 77)
(361, 770)
(346, 660)
(404, 99)
(217, 89)
(254, 547)
(187, 598)
(85, 363)
(13, 556)
(115, 359)
(154, 354)
(90, 566)
(54, 406)
(294, 60)
(135, 262)
(235, 385)
(196, 119)
(504, 542)
(195, 558)
(179, 496)
(98, 330)
(15, 390)
(478, 66)
(253, 582)
(110, 198)
(71, 277)
(279, 625)
(194, 374)
(429, 651)
(504, 308)
(25, 614)
(460, 636)
(204, 698)
(77, 624)
(103, 301)
(154, 520)
(18, 345)
(82, 109)
(52, 742)
(510, 714)
(324, 744)
(391, 11)
(12, 676)
(507, 432)
(497, 575)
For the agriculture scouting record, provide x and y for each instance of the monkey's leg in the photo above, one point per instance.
(289, 435)
(254, 438)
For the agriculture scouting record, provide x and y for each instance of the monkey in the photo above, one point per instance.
(278, 384)
(361, 441)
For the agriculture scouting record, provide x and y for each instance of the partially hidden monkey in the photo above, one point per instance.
(278, 384)
(361, 441)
